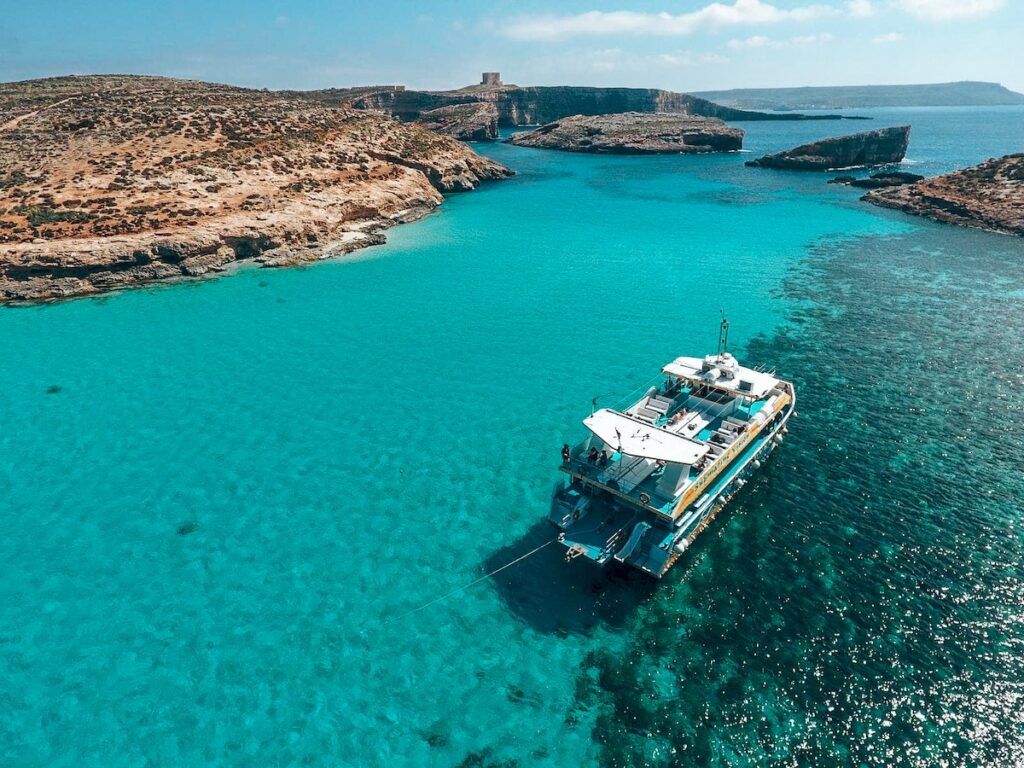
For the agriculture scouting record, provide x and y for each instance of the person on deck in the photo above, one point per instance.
(566, 453)
(602, 460)
(592, 456)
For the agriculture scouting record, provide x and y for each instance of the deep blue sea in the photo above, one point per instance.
(225, 503)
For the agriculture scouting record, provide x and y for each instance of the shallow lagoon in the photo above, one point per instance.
(223, 499)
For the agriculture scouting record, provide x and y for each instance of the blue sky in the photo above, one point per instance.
(676, 45)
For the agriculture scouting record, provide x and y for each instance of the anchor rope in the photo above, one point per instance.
(470, 584)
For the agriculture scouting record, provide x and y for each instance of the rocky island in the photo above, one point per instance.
(634, 133)
(111, 181)
(986, 196)
(878, 147)
(879, 180)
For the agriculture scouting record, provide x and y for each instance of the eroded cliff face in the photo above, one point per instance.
(986, 196)
(405, 105)
(107, 182)
(475, 121)
(634, 133)
(879, 147)
(519, 106)
(530, 106)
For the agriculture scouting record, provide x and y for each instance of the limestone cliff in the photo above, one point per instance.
(530, 106)
(519, 106)
(475, 121)
(634, 133)
(112, 181)
(879, 147)
(986, 196)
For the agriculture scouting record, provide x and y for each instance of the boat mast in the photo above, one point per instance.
(723, 335)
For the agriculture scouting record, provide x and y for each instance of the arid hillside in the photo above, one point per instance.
(111, 181)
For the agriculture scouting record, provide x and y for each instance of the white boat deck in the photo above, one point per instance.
(691, 425)
(723, 373)
(629, 435)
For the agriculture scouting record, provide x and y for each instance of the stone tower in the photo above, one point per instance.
(491, 78)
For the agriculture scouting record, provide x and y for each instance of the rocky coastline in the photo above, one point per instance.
(108, 182)
(988, 196)
(869, 148)
(634, 133)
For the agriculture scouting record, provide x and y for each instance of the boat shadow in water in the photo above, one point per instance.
(561, 598)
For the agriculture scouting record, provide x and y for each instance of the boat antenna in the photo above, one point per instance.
(723, 334)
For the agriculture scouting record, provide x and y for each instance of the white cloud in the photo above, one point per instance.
(756, 41)
(593, 23)
(688, 58)
(760, 41)
(888, 37)
(942, 10)
(618, 60)
(824, 37)
(606, 60)
(860, 9)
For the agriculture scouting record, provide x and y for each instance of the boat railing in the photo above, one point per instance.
(655, 385)
(608, 477)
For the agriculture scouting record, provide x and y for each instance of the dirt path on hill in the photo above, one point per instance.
(14, 121)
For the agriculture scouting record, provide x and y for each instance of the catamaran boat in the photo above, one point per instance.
(651, 476)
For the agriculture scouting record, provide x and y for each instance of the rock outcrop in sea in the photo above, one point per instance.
(112, 181)
(878, 147)
(986, 196)
(879, 180)
(634, 133)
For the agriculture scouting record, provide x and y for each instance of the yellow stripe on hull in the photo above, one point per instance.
(718, 466)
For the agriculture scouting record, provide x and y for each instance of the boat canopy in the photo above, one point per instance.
(722, 373)
(635, 438)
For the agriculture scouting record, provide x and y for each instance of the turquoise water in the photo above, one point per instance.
(225, 500)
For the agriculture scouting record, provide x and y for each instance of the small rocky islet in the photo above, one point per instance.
(634, 133)
(879, 180)
(868, 148)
